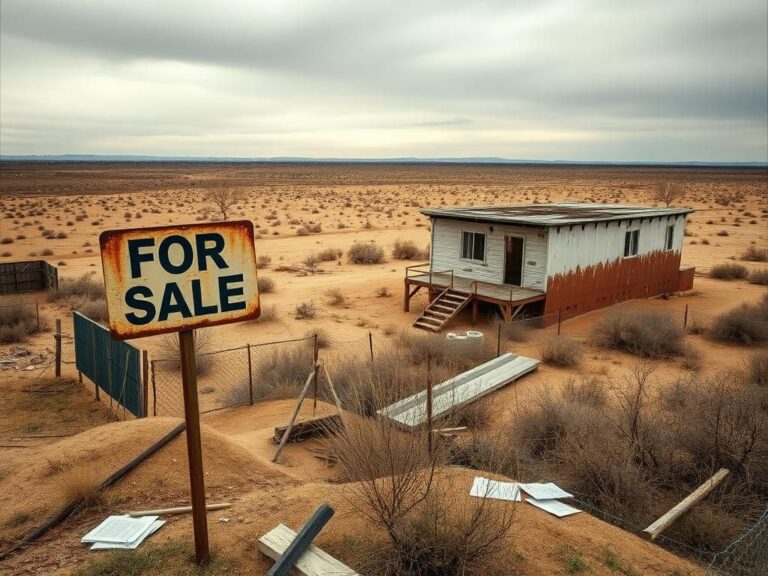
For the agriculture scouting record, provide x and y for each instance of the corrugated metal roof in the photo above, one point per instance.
(553, 214)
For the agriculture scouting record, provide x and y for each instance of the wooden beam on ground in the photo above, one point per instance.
(686, 504)
(177, 510)
(314, 562)
(308, 428)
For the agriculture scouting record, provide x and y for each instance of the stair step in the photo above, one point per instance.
(452, 300)
(439, 315)
(434, 321)
(445, 309)
(418, 324)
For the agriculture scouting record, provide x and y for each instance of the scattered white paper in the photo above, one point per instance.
(547, 491)
(554, 507)
(122, 531)
(154, 527)
(485, 488)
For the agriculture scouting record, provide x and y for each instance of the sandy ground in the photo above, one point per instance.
(359, 203)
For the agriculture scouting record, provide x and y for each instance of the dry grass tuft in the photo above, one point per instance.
(728, 271)
(646, 333)
(80, 487)
(18, 321)
(561, 351)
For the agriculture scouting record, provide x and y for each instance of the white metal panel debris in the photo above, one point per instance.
(467, 387)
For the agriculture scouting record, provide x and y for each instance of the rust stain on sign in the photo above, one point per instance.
(173, 278)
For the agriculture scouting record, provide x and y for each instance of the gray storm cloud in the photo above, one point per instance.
(589, 80)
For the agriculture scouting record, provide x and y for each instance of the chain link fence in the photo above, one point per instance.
(236, 376)
(747, 556)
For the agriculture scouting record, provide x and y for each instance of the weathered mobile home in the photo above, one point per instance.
(563, 259)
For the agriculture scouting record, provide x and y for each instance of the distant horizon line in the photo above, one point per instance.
(341, 160)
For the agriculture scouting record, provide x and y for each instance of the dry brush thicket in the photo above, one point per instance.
(18, 321)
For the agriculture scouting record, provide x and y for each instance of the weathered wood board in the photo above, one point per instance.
(314, 562)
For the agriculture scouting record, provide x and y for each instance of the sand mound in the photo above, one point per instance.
(37, 482)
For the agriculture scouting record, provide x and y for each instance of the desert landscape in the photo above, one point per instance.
(565, 423)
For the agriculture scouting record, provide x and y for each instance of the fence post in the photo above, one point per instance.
(685, 318)
(37, 314)
(250, 377)
(498, 341)
(144, 383)
(429, 402)
(57, 338)
(154, 390)
(370, 344)
(559, 318)
(315, 355)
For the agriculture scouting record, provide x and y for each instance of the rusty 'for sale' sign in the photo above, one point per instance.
(174, 278)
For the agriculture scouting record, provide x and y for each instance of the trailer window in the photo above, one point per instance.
(670, 237)
(473, 246)
(631, 238)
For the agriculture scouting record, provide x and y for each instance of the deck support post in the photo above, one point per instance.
(406, 297)
(474, 311)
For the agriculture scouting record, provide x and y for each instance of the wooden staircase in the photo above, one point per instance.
(442, 309)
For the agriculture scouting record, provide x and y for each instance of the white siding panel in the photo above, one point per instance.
(446, 251)
(572, 247)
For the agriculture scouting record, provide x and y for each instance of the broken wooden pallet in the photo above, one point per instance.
(309, 428)
(465, 388)
(314, 562)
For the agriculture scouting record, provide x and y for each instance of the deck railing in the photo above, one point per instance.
(475, 283)
(420, 270)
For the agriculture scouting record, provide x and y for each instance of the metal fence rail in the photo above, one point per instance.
(114, 367)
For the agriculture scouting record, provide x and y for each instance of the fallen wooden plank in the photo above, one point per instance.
(314, 562)
(681, 508)
(465, 388)
(177, 510)
(308, 428)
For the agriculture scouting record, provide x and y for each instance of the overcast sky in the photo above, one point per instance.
(650, 80)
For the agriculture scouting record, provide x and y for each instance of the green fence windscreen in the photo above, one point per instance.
(115, 367)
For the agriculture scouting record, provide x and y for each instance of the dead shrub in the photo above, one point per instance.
(406, 250)
(745, 324)
(589, 391)
(267, 313)
(323, 338)
(94, 309)
(80, 487)
(755, 254)
(330, 254)
(169, 351)
(85, 286)
(18, 321)
(561, 351)
(728, 271)
(265, 284)
(365, 253)
(335, 297)
(429, 530)
(279, 373)
(759, 276)
(263, 261)
(757, 369)
(645, 333)
(305, 311)
(515, 331)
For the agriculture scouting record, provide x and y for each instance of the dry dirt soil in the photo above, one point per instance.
(56, 211)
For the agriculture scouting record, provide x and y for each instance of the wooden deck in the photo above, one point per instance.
(510, 299)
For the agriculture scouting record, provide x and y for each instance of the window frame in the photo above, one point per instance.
(669, 238)
(628, 235)
(472, 249)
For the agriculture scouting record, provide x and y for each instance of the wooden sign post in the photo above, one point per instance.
(177, 279)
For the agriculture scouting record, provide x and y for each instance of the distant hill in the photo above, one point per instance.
(400, 160)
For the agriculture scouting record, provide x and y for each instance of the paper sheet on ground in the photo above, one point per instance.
(554, 507)
(119, 529)
(154, 527)
(547, 491)
(485, 488)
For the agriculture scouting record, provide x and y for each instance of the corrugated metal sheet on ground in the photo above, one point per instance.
(467, 387)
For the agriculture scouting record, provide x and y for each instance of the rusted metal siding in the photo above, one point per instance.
(587, 269)
(446, 251)
(685, 278)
